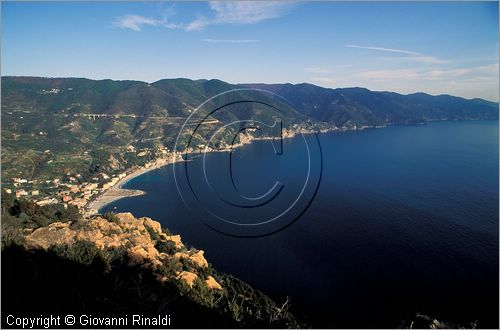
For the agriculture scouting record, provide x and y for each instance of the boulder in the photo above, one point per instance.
(94, 235)
(154, 225)
(55, 234)
(126, 217)
(188, 278)
(136, 258)
(176, 239)
(199, 259)
(212, 283)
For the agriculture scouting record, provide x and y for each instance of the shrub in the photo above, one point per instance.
(205, 272)
(30, 215)
(10, 235)
(203, 295)
(166, 246)
(114, 256)
(111, 217)
(83, 252)
(171, 267)
(153, 234)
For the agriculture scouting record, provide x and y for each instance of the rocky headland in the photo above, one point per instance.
(118, 264)
(140, 238)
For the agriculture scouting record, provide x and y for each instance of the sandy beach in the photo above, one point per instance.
(117, 192)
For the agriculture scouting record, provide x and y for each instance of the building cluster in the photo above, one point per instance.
(50, 91)
(72, 189)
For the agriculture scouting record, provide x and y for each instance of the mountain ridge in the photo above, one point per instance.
(252, 84)
(63, 125)
(380, 107)
(356, 106)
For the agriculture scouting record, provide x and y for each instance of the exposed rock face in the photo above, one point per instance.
(176, 239)
(197, 258)
(188, 277)
(153, 225)
(54, 234)
(127, 232)
(212, 283)
(181, 255)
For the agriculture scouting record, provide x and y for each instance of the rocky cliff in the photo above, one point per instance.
(140, 238)
(117, 264)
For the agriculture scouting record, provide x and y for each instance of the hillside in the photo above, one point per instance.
(364, 107)
(117, 265)
(55, 126)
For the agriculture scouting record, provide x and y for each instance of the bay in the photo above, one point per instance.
(405, 220)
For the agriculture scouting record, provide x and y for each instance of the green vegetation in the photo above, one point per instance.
(21, 213)
(110, 216)
(422, 321)
(167, 247)
(48, 134)
(82, 252)
(349, 107)
(80, 278)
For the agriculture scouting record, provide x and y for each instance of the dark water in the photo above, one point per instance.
(405, 220)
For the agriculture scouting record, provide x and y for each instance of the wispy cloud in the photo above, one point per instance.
(383, 49)
(427, 59)
(423, 59)
(136, 22)
(231, 41)
(325, 80)
(326, 69)
(390, 74)
(319, 70)
(239, 12)
(412, 55)
(483, 71)
(220, 12)
(466, 81)
(475, 72)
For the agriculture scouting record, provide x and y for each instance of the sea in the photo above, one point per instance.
(390, 222)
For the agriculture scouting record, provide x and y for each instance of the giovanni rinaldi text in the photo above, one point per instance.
(52, 321)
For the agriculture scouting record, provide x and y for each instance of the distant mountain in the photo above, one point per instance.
(366, 107)
(61, 125)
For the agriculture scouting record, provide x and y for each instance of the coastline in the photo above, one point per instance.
(116, 192)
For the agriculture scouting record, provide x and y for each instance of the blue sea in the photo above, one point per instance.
(404, 220)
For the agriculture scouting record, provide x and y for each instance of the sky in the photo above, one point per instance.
(405, 47)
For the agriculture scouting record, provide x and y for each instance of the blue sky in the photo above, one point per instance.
(434, 47)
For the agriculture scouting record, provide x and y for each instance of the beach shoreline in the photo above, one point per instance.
(116, 192)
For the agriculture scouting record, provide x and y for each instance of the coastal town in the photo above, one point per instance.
(87, 195)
